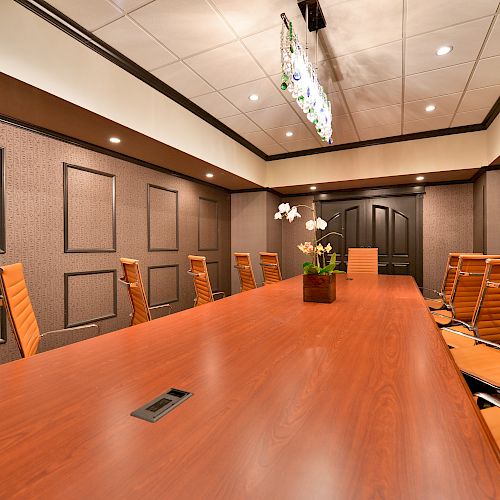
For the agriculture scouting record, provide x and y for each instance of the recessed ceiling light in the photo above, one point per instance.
(289, 133)
(420, 178)
(313, 188)
(115, 140)
(253, 97)
(209, 175)
(430, 108)
(445, 49)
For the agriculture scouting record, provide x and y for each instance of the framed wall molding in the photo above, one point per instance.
(67, 248)
(200, 245)
(176, 299)
(152, 248)
(67, 277)
(3, 243)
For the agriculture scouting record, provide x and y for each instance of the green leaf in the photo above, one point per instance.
(338, 271)
(327, 269)
(311, 269)
(333, 260)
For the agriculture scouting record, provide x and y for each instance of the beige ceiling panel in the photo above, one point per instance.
(338, 105)
(131, 40)
(130, 5)
(370, 66)
(328, 76)
(429, 15)
(299, 131)
(185, 28)
(183, 79)
(492, 47)
(385, 115)
(265, 47)
(240, 124)
(301, 145)
(260, 139)
(216, 105)
(362, 24)
(437, 82)
(486, 74)
(435, 123)
(480, 98)
(466, 40)
(371, 133)
(268, 94)
(343, 131)
(470, 117)
(374, 96)
(445, 105)
(273, 149)
(275, 116)
(226, 66)
(91, 14)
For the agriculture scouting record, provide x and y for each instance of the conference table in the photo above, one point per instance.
(291, 400)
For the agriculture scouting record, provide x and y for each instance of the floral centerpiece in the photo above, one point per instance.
(319, 275)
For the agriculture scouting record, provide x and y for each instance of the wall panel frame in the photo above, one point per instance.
(200, 245)
(150, 246)
(176, 299)
(3, 243)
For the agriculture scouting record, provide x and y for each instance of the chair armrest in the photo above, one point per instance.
(222, 294)
(477, 339)
(59, 338)
(152, 308)
(490, 398)
(439, 294)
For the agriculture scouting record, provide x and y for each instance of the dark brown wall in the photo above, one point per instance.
(479, 192)
(35, 230)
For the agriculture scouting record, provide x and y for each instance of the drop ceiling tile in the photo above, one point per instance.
(492, 47)
(375, 95)
(274, 117)
(299, 130)
(216, 105)
(183, 79)
(381, 23)
(343, 131)
(385, 115)
(486, 74)
(131, 40)
(429, 15)
(91, 14)
(466, 40)
(260, 139)
(273, 149)
(265, 47)
(445, 105)
(338, 105)
(370, 66)
(480, 98)
(226, 66)
(435, 123)
(185, 28)
(268, 94)
(437, 82)
(240, 124)
(129, 5)
(328, 76)
(470, 117)
(368, 134)
(301, 145)
(251, 17)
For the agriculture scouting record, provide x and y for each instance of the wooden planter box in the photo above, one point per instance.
(319, 288)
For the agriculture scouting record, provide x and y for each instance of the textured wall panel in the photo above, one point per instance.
(2, 202)
(213, 273)
(163, 215)
(163, 284)
(208, 225)
(89, 296)
(90, 217)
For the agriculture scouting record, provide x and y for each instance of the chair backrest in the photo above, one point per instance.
(245, 271)
(486, 318)
(198, 270)
(19, 309)
(138, 300)
(449, 275)
(362, 260)
(270, 265)
(467, 285)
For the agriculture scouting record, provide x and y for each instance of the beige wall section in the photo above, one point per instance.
(34, 227)
(34, 51)
(447, 227)
(493, 141)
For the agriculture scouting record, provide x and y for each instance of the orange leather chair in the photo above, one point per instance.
(492, 414)
(141, 312)
(245, 271)
(203, 290)
(362, 260)
(269, 262)
(22, 318)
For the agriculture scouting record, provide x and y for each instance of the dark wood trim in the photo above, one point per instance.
(492, 114)
(217, 222)
(3, 239)
(257, 190)
(73, 29)
(66, 297)
(151, 304)
(67, 249)
(419, 271)
(356, 194)
(150, 247)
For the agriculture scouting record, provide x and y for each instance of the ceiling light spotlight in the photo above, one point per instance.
(430, 108)
(115, 140)
(209, 175)
(445, 49)
(289, 133)
(253, 97)
(313, 188)
(420, 178)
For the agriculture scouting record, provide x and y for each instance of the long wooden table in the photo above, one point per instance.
(355, 399)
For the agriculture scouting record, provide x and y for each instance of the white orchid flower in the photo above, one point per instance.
(292, 214)
(278, 215)
(319, 248)
(328, 248)
(284, 207)
(310, 226)
(321, 224)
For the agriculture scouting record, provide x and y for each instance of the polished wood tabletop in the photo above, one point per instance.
(350, 400)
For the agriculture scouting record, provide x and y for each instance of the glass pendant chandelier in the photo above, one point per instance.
(299, 77)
